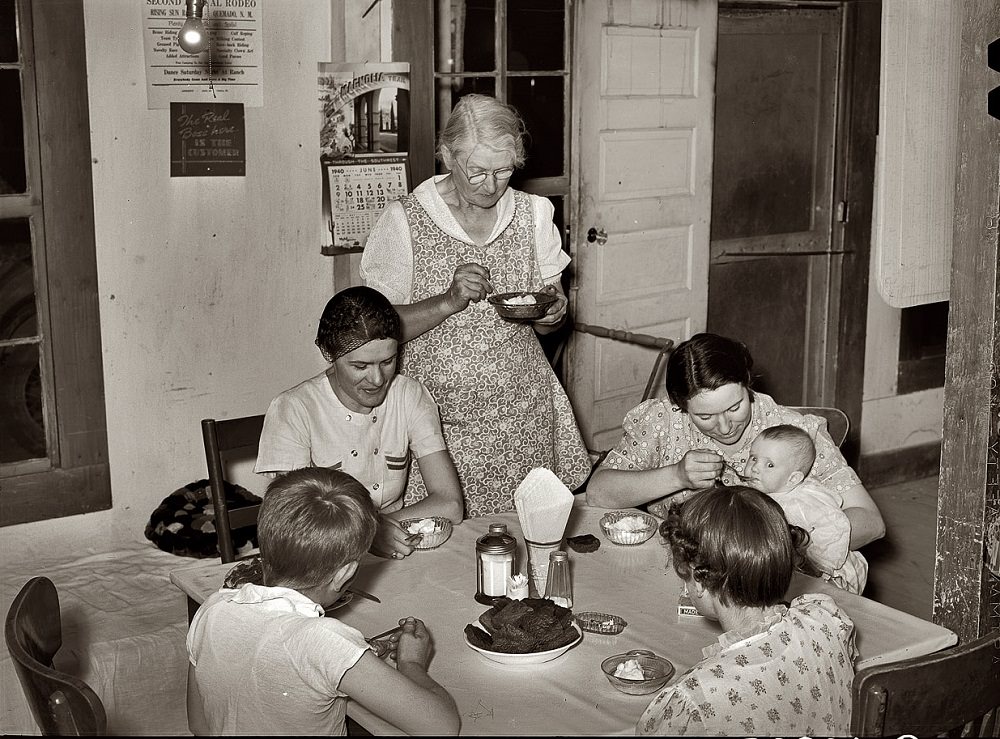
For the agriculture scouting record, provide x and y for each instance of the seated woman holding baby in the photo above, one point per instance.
(360, 417)
(703, 431)
(778, 669)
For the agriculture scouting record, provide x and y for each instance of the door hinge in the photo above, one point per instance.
(843, 211)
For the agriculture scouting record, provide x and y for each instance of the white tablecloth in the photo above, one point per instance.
(569, 695)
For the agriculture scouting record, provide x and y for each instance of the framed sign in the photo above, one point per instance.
(207, 139)
(359, 189)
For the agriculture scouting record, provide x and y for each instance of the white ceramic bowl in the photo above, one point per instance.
(626, 537)
(528, 658)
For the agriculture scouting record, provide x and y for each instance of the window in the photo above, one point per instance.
(53, 439)
(923, 334)
(518, 51)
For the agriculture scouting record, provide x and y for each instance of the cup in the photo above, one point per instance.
(538, 563)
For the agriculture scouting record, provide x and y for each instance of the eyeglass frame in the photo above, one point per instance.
(480, 177)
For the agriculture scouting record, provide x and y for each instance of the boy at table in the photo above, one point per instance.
(779, 463)
(264, 661)
(359, 416)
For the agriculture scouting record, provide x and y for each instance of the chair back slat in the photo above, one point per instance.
(227, 440)
(837, 423)
(954, 690)
(61, 704)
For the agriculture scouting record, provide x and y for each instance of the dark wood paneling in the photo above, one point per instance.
(413, 42)
(55, 493)
(965, 593)
(900, 465)
(81, 481)
(856, 183)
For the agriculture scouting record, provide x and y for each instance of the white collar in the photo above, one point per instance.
(280, 599)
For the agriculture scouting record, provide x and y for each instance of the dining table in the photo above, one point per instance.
(569, 695)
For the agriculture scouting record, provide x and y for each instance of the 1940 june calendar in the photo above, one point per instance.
(360, 188)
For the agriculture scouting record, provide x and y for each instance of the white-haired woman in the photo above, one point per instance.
(436, 254)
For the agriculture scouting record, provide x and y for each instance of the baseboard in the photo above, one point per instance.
(900, 465)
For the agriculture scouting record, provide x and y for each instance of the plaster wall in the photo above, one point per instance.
(210, 287)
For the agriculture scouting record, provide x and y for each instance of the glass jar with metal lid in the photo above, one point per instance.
(496, 552)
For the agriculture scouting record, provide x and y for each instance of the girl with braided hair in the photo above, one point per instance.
(778, 669)
(360, 417)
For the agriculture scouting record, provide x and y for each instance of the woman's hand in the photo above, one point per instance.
(470, 284)
(414, 643)
(699, 468)
(557, 311)
(392, 541)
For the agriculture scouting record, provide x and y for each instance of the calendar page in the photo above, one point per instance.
(360, 188)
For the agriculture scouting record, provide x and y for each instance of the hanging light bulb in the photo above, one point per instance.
(193, 37)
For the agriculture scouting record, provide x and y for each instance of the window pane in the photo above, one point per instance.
(22, 433)
(470, 28)
(12, 174)
(535, 35)
(450, 89)
(540, 102)
(18, 314)
(8, 32)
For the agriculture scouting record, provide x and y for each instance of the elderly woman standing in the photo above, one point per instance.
(360, 417)
(436, 253)
(777, 670)
(702, 432)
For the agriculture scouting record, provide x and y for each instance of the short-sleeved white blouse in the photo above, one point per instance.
(656, 433)
(387, 261)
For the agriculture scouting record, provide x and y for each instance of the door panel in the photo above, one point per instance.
(774, 271)
(642, 105)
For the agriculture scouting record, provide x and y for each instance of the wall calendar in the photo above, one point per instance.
(360, 188)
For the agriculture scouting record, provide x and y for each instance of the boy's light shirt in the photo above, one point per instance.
(276, 599)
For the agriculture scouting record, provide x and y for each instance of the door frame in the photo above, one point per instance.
(854, 187)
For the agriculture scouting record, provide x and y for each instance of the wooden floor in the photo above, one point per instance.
(901, 566)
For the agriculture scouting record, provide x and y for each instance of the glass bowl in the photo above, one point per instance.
(526, 312)
(600, 623)
(645, 527)
(430, 540)
(658, 670)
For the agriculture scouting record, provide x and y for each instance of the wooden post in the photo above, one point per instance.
(965, 592)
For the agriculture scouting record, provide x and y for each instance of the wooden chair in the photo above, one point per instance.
(225, 441)
(61, 704)
(837, 422)
(954, 692)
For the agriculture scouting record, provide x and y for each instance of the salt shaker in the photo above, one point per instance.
(558, 586)
(494, 563)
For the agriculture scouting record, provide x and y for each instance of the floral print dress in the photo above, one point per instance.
(789, 676)
(503, 410)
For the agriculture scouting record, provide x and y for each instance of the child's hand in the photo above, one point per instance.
(414, 643)
(391, 541)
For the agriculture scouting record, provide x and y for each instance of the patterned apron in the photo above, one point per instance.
(503, 410)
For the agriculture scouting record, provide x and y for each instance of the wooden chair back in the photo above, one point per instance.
(837, 422)
(955, 692)
(61, 704)
(228, 440)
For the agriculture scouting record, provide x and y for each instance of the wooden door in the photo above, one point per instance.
(774, 273)
(643, 91)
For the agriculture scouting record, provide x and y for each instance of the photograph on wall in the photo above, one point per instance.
(364, 132)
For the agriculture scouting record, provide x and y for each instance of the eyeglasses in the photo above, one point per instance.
(480, 177)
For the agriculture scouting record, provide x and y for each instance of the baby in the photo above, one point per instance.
(780, 460)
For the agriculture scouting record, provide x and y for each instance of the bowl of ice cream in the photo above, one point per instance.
(638, 671)
(628, 527)
(434, 531)
(521, 306)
